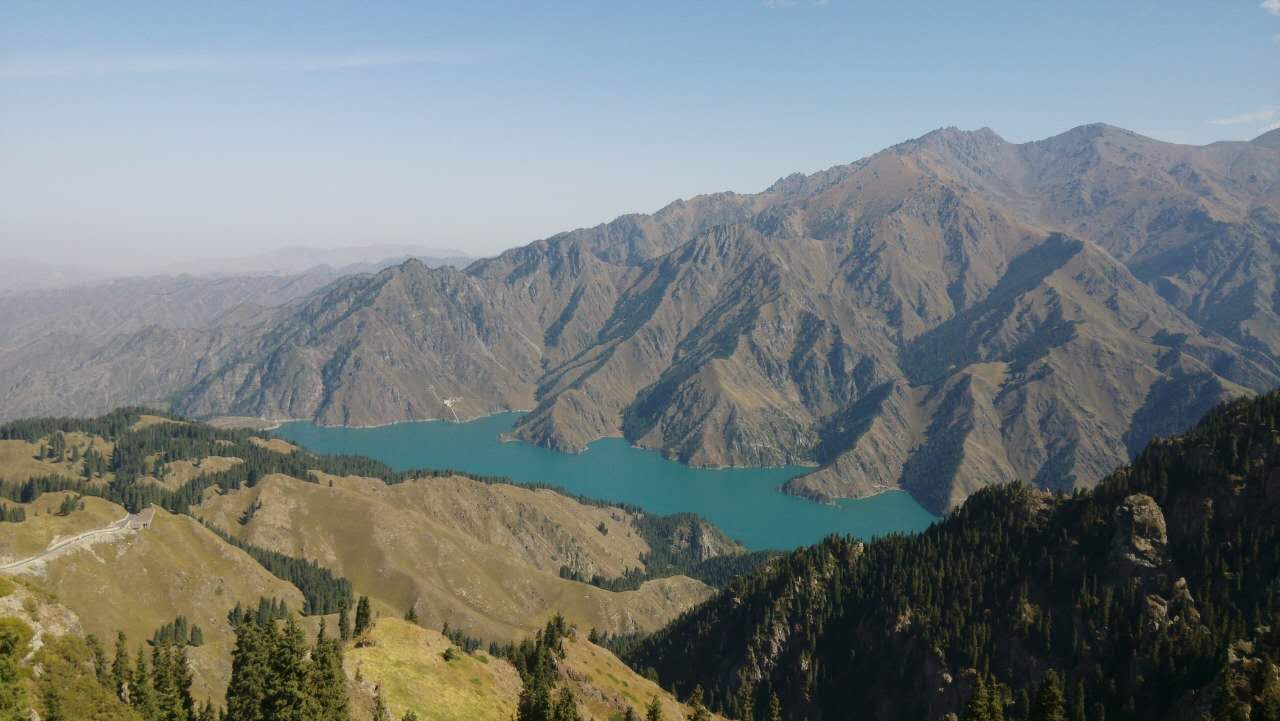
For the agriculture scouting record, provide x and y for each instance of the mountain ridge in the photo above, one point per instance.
(752, 329)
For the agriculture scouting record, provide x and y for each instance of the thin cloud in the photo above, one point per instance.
(1261, 115)
(1271, 6)
(81, 66)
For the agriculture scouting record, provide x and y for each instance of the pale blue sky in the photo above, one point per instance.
(152, 132)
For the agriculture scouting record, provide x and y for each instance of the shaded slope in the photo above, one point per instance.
(1134, 592)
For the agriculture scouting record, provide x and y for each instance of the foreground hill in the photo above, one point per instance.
(225, 517)
(447, 548)
(1154, 596)
(407, 664)
(951, 312)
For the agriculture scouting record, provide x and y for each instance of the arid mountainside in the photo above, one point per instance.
(951, 312)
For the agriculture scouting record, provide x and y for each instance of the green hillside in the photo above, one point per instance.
(1156, 596)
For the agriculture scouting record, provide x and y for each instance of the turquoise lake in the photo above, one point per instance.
(744, 502)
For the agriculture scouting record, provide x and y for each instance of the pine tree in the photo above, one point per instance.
(1049, 704)
(362, 615)
(141, 692)
(654, 712)
(100, 668)
(13, 696)
(629, 715)
(566, 708)
(120, 668)
(700, 712)
(184, 679)
(412, 614)
(534, 703)
(1229, 706)
(996, 696)
(979, 706)
(286, 691)
(1079, 704)
(746, 703)
(326, 681)
(775, 708)
(246, 692)
(344, 623)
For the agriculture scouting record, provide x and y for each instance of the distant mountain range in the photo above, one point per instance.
(22, 274)
(951, 312)
(300, 258)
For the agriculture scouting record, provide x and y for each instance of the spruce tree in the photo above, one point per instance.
(996, 696)
(700, 712)
(534, 703)
(362, 615)
(979, 706)
(566, 707)
(246, 692)
(120, 668)
(286, 690)
(100, 668)
(344, 623)
(775, 708)
(326, 681)
(746, 703)
(1049, 704)
(184, 679)
(13, 696)
(141, 692)
(654, 712)
(1079, 704)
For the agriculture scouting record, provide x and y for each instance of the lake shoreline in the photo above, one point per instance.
(745, 503)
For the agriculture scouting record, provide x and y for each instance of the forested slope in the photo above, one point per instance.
(1154, 596)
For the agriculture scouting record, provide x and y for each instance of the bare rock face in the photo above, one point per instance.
(1140, 546)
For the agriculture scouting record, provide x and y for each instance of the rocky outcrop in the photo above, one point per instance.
(1140, 545)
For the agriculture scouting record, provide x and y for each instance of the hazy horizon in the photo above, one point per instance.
(134, 140)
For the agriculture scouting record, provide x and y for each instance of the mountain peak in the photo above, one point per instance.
(1269, 139)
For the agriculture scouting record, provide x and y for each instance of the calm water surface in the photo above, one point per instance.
(744, 502)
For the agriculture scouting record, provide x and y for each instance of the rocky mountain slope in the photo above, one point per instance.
(1154, 596)
(951, 312)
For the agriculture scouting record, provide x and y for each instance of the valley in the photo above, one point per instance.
(948, 313)
(745, 503)
(765, 360)
(184, 519)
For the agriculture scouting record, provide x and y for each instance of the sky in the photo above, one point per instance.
(136, 134)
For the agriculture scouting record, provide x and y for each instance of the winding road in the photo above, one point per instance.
(131, 522)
